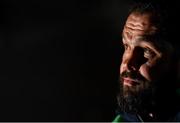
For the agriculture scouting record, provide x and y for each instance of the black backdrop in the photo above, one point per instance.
(59, 59)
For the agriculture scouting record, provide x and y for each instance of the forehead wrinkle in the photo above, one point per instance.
(140, 28)
(130, 41)
(134, 27)
(129, 34)
(133, 30)
(138, 22)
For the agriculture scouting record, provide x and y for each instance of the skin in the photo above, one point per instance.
(149, 58)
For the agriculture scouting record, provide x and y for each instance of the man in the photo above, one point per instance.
(148, 72)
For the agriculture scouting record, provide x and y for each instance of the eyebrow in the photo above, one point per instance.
(148, 38)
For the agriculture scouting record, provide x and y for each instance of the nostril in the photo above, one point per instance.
(136, 63)
(132, 66)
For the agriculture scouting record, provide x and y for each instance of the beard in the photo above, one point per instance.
(137, 98)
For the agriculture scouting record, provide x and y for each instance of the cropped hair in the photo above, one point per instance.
(163, 17)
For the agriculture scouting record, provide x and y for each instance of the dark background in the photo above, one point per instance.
(60, 59)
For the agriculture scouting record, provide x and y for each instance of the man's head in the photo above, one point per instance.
(147, 60)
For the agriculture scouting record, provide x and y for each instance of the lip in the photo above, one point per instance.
(130, 82)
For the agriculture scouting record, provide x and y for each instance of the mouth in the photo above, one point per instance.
(130, 82)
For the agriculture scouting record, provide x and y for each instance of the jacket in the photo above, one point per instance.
(127, 117)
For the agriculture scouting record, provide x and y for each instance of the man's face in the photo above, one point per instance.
(145, 60)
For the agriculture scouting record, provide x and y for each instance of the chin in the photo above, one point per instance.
(134, 99)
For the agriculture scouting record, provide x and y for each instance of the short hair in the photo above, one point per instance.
(162, 18)
(158, 17)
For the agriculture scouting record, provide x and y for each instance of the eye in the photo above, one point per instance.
(149, 53)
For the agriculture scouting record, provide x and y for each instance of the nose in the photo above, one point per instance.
(133, 59)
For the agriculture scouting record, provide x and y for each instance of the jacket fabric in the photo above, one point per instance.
(127, 117)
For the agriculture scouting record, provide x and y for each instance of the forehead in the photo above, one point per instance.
(138, 25)
(139, 29)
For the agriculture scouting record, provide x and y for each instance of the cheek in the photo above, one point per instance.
(122, 68)
(122, 65)
(145, 71)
